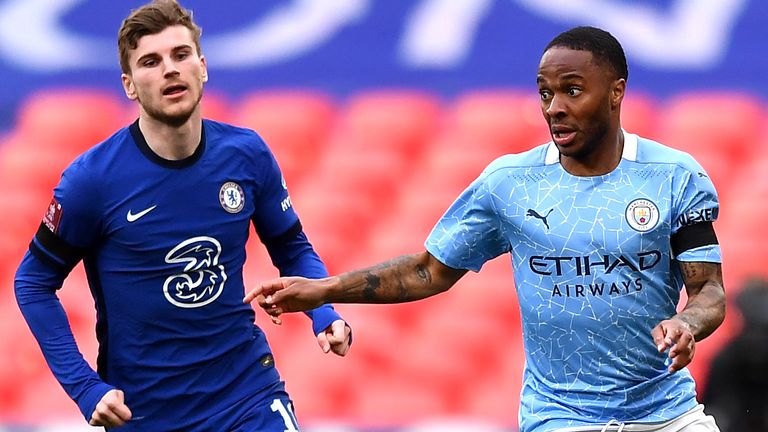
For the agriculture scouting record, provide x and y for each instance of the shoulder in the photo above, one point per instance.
(516, 163)
(99, 161)
(652, 152)
(232, 137)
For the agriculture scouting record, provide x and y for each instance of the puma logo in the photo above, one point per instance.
(533, 213)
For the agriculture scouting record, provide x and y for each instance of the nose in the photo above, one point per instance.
(556, 107)
(169, 67)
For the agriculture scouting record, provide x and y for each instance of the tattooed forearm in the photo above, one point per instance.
(705, 310)
(372, 283)
(403, 279)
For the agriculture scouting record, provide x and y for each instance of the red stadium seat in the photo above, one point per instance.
(376, 172)
(721, 123)
(496, 397)
(503, 120)
(397, 120)
(638, 114)
(72, 119)
(25, 166)
(216, 106)
(452, 163)
(295, 124)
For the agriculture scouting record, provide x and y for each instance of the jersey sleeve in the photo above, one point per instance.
(71, 223)
(696, 207)
(279, 228)
(274, 214)
(67, 230)
(470, 232)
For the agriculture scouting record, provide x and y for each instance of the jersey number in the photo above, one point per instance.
(286, 413)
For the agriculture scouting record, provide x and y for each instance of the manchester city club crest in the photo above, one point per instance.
(642, 215)
(231, 197)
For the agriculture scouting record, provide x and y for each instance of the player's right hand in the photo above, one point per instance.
(111, 411)
(288, 294)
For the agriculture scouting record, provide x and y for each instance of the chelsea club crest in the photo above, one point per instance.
(231, 197)
(642, 215)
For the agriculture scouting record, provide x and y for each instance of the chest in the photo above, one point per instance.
(626, 212)
(151, 211)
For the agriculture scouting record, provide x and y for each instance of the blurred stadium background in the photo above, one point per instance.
(380, 113)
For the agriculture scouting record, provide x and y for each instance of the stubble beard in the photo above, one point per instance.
(173, 120)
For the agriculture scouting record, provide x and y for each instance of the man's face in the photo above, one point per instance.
(580, 100)
(167, 75)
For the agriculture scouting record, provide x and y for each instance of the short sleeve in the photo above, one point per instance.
(696, 202)
(470, 232)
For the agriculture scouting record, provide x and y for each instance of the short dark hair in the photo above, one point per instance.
(152, 18)
(603, 46)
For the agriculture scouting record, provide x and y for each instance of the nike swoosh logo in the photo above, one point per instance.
(133, 217)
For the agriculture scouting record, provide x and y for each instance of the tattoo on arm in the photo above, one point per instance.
(372, 283)
(402, 279)
(705, 309)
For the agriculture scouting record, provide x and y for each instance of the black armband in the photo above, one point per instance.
(66, 255)
(693, 236)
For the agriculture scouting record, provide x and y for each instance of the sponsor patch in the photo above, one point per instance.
(642, 215)
(52, 216)
(231, 197)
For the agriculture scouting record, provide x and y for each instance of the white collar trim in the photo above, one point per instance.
(629, 152)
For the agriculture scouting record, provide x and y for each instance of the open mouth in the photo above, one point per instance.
(174, 90)
(562, 136)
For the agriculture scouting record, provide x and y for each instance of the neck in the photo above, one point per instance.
(172, 142)
(600, 160)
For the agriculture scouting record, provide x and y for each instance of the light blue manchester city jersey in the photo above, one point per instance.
(594, 273)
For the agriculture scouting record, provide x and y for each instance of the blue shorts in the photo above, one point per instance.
(269, 411)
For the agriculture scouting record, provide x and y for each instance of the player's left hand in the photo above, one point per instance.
(336, 337)
(676, 335)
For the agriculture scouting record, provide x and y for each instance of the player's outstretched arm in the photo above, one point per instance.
(703, 313)
(403, 279)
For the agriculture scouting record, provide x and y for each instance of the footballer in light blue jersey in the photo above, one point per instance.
(160, 214)
(604, 229)
(594, 271)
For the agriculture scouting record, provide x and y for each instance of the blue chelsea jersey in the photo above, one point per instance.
(594, 273)
(163, 244)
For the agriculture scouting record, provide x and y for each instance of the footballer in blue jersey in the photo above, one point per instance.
(160, 213)
(604, 229)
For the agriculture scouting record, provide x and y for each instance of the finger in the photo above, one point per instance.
(322, 340)
(678, 363)
(262, 302)
(340, 349)
(672, 335)
(105, 417)
(682, 345)
(120, 408)
(265, 288)
(337, 335)
(658, 337)
(123, 412)
(276, 320)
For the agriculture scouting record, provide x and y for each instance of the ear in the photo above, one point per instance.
(203, 69)
(617, 92)
(129, 87)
